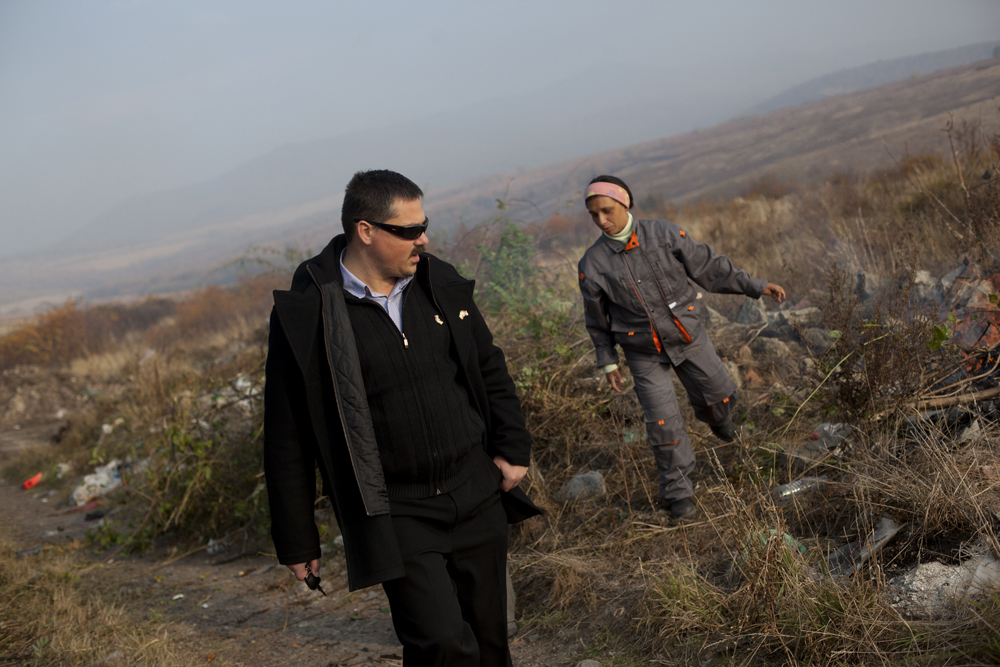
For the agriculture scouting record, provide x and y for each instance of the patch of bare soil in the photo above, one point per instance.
(241, 610)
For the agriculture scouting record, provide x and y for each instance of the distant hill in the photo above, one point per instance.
(176, 241)
(802, 143)
(876, 74)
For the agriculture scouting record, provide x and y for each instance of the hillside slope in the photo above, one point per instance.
(810, 141)
(876, 74)
(803, 143)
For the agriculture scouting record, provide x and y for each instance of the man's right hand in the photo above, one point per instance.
(616, 380)
(300, 571)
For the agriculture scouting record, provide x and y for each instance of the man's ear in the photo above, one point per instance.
(364, 232)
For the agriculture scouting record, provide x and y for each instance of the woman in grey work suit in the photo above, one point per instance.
(637, 292)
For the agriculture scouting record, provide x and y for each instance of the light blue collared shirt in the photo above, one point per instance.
(391, 304)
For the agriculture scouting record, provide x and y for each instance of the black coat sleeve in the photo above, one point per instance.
(289, 454)
(507, 437)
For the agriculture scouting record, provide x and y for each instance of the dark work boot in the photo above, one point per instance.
(683, 509)
(726, 431)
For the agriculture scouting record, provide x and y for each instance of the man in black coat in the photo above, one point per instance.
(382, 371)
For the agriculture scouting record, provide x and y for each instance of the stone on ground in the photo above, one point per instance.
(582, 486)
(752, 313)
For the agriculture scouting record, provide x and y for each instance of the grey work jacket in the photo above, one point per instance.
(637, 291)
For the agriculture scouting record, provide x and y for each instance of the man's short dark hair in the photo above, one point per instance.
(370, 196)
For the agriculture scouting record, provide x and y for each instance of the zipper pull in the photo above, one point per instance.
(406, 343)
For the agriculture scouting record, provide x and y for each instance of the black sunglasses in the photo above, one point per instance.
(408, 232)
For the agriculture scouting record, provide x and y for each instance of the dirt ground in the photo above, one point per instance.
(248, 611)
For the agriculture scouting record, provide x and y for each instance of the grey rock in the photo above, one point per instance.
(734, 372)
(713, 319)
(819, 339)
(803, 317)
(752, 313)
(949, 279)
(771, 347)
(870, 284)
(927, 287)
(582, 486)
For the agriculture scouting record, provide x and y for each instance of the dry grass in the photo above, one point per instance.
(51, 615)
(730, 586)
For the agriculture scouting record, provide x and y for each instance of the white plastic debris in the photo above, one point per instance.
(179, 596)
(786, 492)
(216, 547)
(150, 353)
(850, 557)
(101, 482)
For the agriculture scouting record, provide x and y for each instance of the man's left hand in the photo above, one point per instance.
(776, 292)
(512, 475)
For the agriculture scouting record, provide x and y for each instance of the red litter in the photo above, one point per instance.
(30, 483)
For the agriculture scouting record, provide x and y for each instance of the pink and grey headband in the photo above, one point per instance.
(616, 192)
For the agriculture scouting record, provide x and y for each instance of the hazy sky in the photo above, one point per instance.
(102, 100)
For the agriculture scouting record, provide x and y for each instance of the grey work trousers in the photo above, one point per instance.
(710, 390)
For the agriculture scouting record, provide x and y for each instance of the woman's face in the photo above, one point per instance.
(609, 215)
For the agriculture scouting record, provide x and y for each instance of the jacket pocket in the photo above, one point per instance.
(637, 341)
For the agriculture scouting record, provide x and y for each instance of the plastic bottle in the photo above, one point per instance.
(785, 492)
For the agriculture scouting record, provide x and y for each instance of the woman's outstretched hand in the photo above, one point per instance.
(776, 292)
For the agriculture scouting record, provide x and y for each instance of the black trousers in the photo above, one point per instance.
(451, 607)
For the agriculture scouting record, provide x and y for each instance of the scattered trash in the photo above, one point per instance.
(242, 384)
(95, 515)
(850, 557)
(107, 429)
(150, 353)
(216, 547)
(179, 596)
(31, 482)
(929, 589)
(101, 482)
(338, 541)
(204, 606)
(582, 486)
(762, 536)
(786, 492)
(589, 663)
(833, 436)
(63, 469)
(30, 551)
(61, 414)
(971, 432)
(826, 441)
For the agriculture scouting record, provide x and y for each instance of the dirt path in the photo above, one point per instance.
(248, 611)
